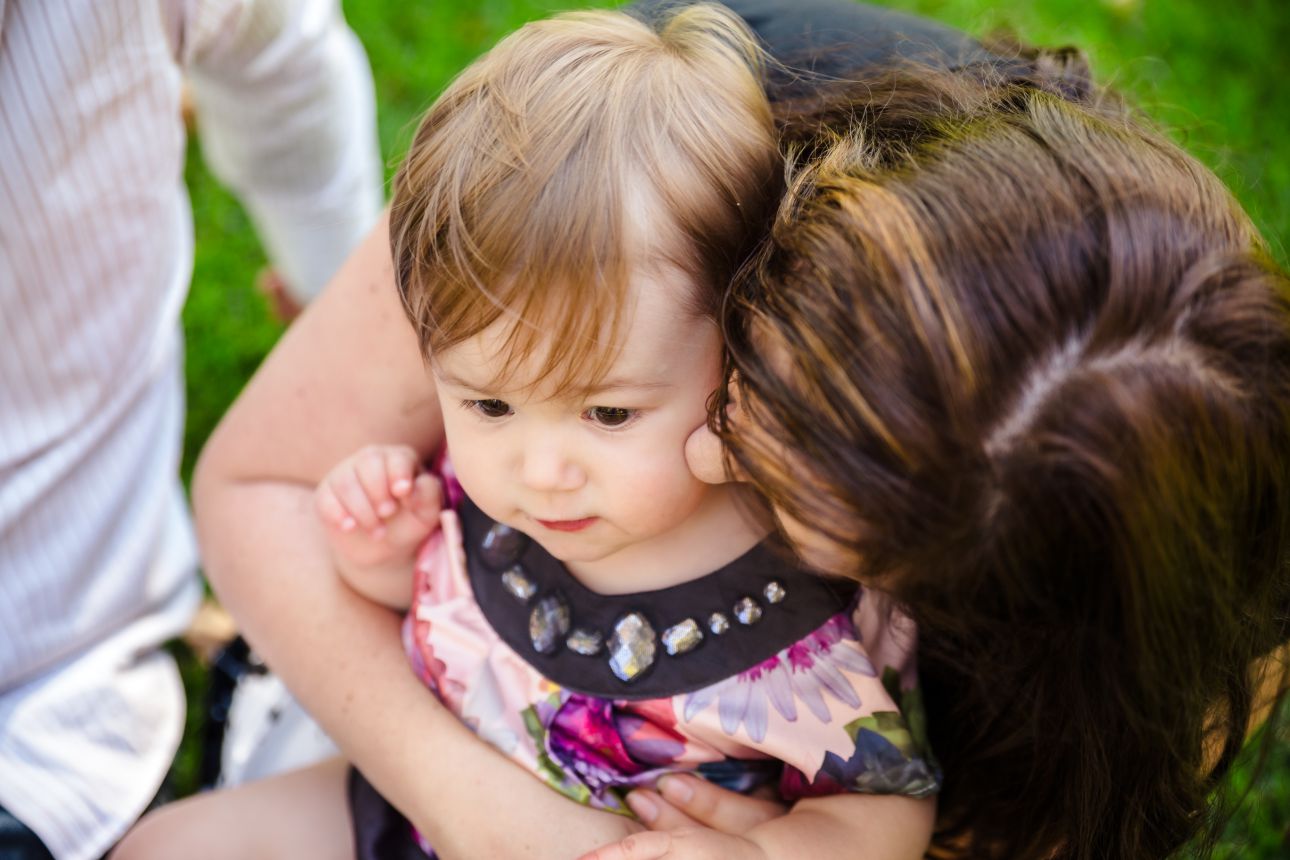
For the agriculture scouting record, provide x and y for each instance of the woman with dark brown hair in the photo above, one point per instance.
(1016, 360)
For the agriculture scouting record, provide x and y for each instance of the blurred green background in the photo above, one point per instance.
(1215, 74)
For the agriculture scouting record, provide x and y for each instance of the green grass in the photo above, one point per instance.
(1214, 73)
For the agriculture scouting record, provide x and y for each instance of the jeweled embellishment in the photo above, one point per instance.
(584, 642)
(682, 637)
(718, 623)
(631, 646)
(548, 622)
(748, 611)
(518, 584)
(774, 591)
(502, 546)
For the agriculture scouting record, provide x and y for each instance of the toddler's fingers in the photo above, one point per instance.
(370, 466)
(347, 484)
(401, 467)
(331, 511)
(426, 499)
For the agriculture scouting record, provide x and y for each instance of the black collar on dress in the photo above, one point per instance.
(649, 644)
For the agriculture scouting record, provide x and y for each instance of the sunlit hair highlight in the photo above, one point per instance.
(580, 152)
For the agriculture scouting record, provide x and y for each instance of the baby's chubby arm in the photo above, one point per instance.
(378, 506)
(695, 820)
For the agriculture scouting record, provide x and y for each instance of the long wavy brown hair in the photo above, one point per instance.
(1031, 365)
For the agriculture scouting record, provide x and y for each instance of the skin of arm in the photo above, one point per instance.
(386, 587)
(692, 819)
(349, 372)
(870, 826)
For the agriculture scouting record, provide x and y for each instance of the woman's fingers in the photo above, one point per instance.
(649, 845)
(692, 800)
(656, 813)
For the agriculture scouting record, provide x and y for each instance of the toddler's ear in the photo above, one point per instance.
(703, 454)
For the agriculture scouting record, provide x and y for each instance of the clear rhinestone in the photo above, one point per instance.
(718, 623)
(631, 646)
(682, 637)
(548, 622)
(584, 642)
(518, 584)
(774, 591)
(502, 546)
(748, 611)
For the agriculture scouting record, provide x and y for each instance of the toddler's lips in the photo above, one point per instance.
(567, 525)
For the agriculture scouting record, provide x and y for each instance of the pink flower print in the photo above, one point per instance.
(658, 712)
(805, 670)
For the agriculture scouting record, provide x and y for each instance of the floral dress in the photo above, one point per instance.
(759, 672)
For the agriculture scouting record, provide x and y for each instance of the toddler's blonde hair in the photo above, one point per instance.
(582, 149)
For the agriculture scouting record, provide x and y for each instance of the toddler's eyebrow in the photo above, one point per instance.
(604, 386)
(452, 379)
(609, 385)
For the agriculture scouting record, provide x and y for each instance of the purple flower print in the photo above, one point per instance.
(804, 671)
(586, 738)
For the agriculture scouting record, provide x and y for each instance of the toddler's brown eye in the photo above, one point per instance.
(610, 416)
(490, 408)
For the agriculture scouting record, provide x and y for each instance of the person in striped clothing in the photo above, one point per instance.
(97, 559)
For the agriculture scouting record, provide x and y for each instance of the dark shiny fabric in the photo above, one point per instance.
(18, 842)
(817, 41)
(380, 831)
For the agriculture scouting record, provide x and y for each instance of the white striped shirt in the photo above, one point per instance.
(97, 563)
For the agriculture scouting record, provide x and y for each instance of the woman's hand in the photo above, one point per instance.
(690, 817)
(690, 843)
(688, 801)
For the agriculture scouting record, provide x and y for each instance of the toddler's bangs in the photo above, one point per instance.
(578, 151)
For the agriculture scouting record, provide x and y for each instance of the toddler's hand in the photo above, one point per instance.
(378, 506)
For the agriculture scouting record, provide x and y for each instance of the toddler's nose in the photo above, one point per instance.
(547, 468)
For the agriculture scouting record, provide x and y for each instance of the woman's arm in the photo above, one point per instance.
(349, 372)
